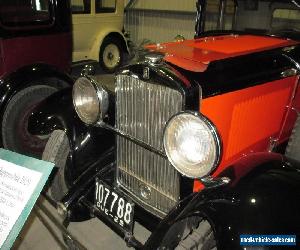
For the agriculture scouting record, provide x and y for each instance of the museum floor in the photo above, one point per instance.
(92, 234)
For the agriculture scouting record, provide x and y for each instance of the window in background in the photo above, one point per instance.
(286, 19)
(105, 6)
(81, 6)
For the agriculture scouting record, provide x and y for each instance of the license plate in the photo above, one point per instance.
(114, 205)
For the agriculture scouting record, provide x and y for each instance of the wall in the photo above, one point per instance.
(160, 20)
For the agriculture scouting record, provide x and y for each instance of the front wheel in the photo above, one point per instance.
(56, 151)
(194, 233)
(201, 238)
(111, 54)
(15, 134)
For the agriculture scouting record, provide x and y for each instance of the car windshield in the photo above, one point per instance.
(253, 16)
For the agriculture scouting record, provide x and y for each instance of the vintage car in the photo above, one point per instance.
(98, 32)
(199, 141)
(35, 56)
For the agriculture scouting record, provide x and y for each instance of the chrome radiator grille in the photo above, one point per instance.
(142, 110)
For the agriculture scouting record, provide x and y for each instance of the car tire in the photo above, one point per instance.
(111, 54)
(293, 147)
(202, 238)
(57, 151)
(15, 135)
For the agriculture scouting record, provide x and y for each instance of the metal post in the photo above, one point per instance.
(222, 11)
(200, 17)
(235, 15)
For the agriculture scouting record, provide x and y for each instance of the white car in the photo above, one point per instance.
(97, 32)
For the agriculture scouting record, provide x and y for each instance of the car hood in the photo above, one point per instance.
(195, 55)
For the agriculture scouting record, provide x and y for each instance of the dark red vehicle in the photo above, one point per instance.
(35, 53)
(198, 141)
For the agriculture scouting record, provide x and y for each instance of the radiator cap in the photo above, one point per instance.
(154, 58)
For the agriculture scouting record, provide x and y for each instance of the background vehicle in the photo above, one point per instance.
(270, 17)
(191, 142)
(97, 32)
(35, 53)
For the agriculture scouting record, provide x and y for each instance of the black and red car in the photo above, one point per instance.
(35, 54)
(199, 141)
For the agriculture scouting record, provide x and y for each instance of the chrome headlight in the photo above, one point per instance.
(90, 100)
(192, 144)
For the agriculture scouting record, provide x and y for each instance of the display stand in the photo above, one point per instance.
(22, 179)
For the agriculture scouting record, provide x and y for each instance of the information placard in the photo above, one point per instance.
(22, 178)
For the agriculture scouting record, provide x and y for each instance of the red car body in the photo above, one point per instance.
(18, 52)
(260, 114)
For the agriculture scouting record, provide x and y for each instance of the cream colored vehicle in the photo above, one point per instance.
(97, 32)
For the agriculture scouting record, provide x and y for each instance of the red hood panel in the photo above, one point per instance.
(240, 44)
(187, 64)
(197, 54)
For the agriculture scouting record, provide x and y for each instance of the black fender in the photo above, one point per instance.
(17, 80)
(87, 143)
(265, 200)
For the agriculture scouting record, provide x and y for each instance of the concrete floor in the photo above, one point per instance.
(92, 234)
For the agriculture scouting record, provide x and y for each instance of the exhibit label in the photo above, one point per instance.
(21, 181)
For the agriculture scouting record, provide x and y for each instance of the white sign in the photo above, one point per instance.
(16, 186)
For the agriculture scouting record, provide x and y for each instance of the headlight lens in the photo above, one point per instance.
(192, 144)
(90, 100)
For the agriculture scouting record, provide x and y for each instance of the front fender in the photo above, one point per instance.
(55, 112)
(265, 200)
(87, 143)
(17, 80)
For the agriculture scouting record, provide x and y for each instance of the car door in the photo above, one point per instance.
(83, 27)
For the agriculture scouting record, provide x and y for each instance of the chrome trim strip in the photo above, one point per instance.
(131, 138)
